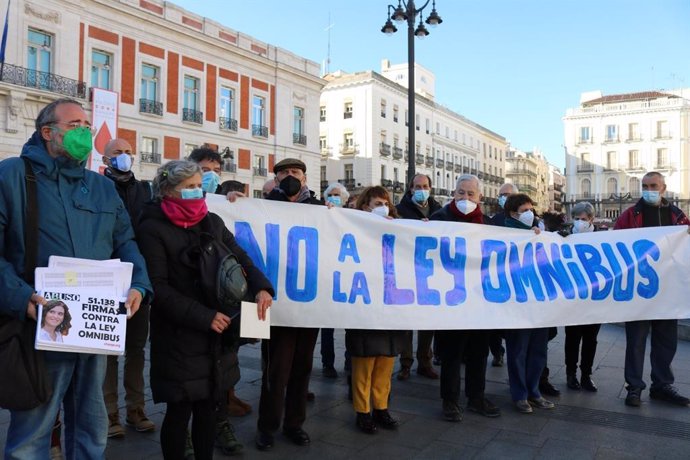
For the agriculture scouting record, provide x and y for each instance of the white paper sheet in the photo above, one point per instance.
(250, 325)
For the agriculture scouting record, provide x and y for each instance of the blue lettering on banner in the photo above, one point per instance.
(269, 265)
(455, 265)
(500, 293)
(524, 273)
(392, 295)
(591, 261)
(360, 288)
(348, 247)
(619, 293)
(578, 276)
(423, 269)
(553, 270)
(338, 295)
(644, 249)
(310, 237)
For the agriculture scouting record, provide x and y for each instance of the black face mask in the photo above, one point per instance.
(290, 185)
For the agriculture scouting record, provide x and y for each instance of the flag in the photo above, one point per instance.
(3, 44)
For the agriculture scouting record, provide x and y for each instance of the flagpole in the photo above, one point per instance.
(3, 44)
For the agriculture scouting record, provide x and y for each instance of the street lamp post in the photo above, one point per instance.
(620, 197)
(407, 11)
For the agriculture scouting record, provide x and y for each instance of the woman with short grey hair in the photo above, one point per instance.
(583, 207)
(172, 174)
(336, 189)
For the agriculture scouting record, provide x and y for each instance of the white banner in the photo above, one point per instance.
(345, 268)
(104, 109)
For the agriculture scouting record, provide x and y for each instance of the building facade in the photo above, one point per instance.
(556, 189)
(529, 171)
(183, 81)
(363, 136)
(612, 141)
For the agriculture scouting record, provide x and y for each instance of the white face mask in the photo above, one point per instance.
(582, 226)
(465, 206)
(380, 211)
(526, 217)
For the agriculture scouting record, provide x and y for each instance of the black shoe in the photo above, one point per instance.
(669, 394)
(497, 361)
(547, 389)
(366, 423)
(404, 373)
(329, 372)
(633, 398)
(263, 440)
(573, 383)
(383, 419)
(297, 436)
(451, 411)
(483, 407)
(588, 384)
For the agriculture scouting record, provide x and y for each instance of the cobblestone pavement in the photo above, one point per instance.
(583, 425)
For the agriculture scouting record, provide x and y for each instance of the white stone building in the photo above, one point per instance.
(612, 141)
(556, 188)
(529, 171)
(183, 81)
(363, 135)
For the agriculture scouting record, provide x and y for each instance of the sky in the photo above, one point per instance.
(512, 66)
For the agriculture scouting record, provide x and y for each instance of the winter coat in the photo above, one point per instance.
(407, 209)
(632, 217)
(134, 194)
(79, 215)
(189, 361)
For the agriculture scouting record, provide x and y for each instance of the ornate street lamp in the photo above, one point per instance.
(407, 11)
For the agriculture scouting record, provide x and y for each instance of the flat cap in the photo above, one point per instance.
(289, 163)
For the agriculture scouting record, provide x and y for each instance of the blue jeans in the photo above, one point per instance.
(526, 351)
(78, 384)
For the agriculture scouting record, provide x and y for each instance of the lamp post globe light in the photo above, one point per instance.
(407, 11)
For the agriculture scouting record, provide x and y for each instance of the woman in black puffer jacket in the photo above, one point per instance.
(192, 344)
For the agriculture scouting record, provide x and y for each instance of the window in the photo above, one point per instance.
(447, 132)
(633, 132)
(226, 109)
(39, 58)
(584, 135)
(438, 128)
(323, 143)
(395, 113)
(586, 187)
(395, 174)
(383, 172)
(322, 173)
(662, 129)
(260, 166)
(149, 82)
(349, 172)
(348, 142)
(149, 150)
(661, 158)
(100, 69)
(298, 136)
(259, 116)
(347, 111)
(383, 108)
(633, 160)
(635, 186)
(610, 160)
(611, 133)
(416, 121)
(191, 93)
(322, 113)
(407, 118)
(611, 186)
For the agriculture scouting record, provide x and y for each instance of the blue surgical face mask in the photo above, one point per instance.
(502, 200)
(335, 200)
(210, 181)
(420, 196)
(191, 193)
(122, 162)
(651, 196)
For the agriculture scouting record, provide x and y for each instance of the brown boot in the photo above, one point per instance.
(237, 407)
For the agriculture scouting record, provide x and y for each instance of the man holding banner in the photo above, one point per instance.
(653, 210)
(455, 345)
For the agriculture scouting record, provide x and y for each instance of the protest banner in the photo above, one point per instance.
(345, 268)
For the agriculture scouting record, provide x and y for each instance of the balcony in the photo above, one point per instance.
(227, 124)
(429, 161)
(449, 165)
(611, 140)
(384, 149)
(230, 167)
(324, 185)
(634, 168)
(348, 183)
(45, 81)
(386, 183)
(261, 172)
(192, 116)
(347, 114)
(520, 170)
(397, 153)
(439, 163)
(585, 167)
(150, 106)
(480, 175)
(419, 159)
(587, 140)
(633, 138)
(525, 188)
(299, 139)
(259, 131)
(398, 186)
(149, 157)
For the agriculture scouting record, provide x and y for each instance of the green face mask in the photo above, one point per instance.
(78, 142)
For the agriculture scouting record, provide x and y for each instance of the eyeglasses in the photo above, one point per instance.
(74, 125)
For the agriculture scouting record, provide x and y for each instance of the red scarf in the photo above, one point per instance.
(184, 213)
(475, 217)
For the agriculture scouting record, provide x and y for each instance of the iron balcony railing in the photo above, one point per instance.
(42, 80)
(262, 172)
(227, 124)
(429, 161)
(150, 106)
(384, 149)
(585, 167)
(298, 138)
(348, 183)
(397, 153)
(192, 116)
(439, 163)
(419, 159)
(259, 130)
(150, 157)
(386, 183)
(230, 167)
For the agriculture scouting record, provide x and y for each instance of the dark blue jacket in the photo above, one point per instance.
(79, 214)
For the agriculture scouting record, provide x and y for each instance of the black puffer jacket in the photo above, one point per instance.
(134, 194)
(189, 361)
(367, 343)
(409, 210)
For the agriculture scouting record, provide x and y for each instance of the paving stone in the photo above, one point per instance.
(507, 450)
(567, 450)
(605, 453)
(388, 449)
(446, 451)
(533, 440)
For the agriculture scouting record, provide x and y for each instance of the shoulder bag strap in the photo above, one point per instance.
(31, 225)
